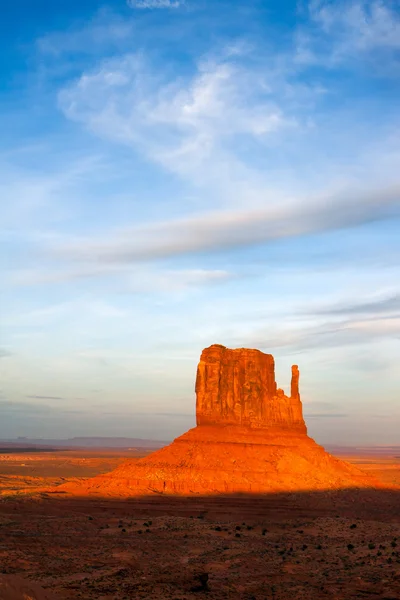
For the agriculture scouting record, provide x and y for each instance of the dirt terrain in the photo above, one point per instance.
(337, 544)
(22, 471)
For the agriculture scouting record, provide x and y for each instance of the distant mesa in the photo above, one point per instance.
(250, 437)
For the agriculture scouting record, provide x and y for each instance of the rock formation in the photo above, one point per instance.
(238, 387)
(250, 437)
(294, 386)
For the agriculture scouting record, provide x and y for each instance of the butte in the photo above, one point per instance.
(250, 437)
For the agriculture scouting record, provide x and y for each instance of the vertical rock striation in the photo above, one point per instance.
(238, 387)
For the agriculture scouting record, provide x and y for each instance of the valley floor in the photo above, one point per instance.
(334, 545)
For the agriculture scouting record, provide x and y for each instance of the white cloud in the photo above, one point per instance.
(135, 280)
(154, 3)
(185, 124)
(220, 230)
(104, 30)
(366, 25)
(343, 31)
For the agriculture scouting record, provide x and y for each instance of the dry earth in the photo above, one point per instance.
(27, 472)
(336, 545)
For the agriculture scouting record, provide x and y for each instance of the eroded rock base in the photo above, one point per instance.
(220, 460)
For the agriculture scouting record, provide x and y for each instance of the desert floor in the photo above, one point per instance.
(342, 544)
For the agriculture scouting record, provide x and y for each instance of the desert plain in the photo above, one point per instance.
(334, 544)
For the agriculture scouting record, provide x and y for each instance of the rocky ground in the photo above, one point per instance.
(341, 545)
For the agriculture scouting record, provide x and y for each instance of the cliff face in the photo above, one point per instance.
(238, 387)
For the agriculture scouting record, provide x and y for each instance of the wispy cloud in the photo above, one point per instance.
(343, 31)
(35, 397)
(106, 30)
(184, 124)
(389, 305)
(325, 416)
(224, 230)
(136, 280)
(360, 24)
(155, 3)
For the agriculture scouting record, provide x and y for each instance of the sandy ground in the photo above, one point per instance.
(312, 545)
(28, 472)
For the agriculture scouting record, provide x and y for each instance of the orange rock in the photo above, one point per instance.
(250, 437)
(238, 387)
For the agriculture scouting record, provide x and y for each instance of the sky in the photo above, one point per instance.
(178, 173)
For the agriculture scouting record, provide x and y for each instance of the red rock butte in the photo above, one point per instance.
(250, 437)
(238, 387)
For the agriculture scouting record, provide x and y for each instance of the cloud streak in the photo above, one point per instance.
(46, 397)
(142, 4)
(325, 416)
(223, 230)
(388, 305)
(137, 280)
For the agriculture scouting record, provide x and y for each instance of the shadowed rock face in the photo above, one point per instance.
(238, 387)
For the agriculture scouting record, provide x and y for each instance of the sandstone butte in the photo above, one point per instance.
(250, 437)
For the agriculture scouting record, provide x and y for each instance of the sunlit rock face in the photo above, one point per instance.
(238, 387)
(250, 438)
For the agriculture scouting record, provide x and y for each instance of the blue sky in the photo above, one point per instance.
(180, 173)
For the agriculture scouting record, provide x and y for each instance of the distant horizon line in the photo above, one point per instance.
(135, 439)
